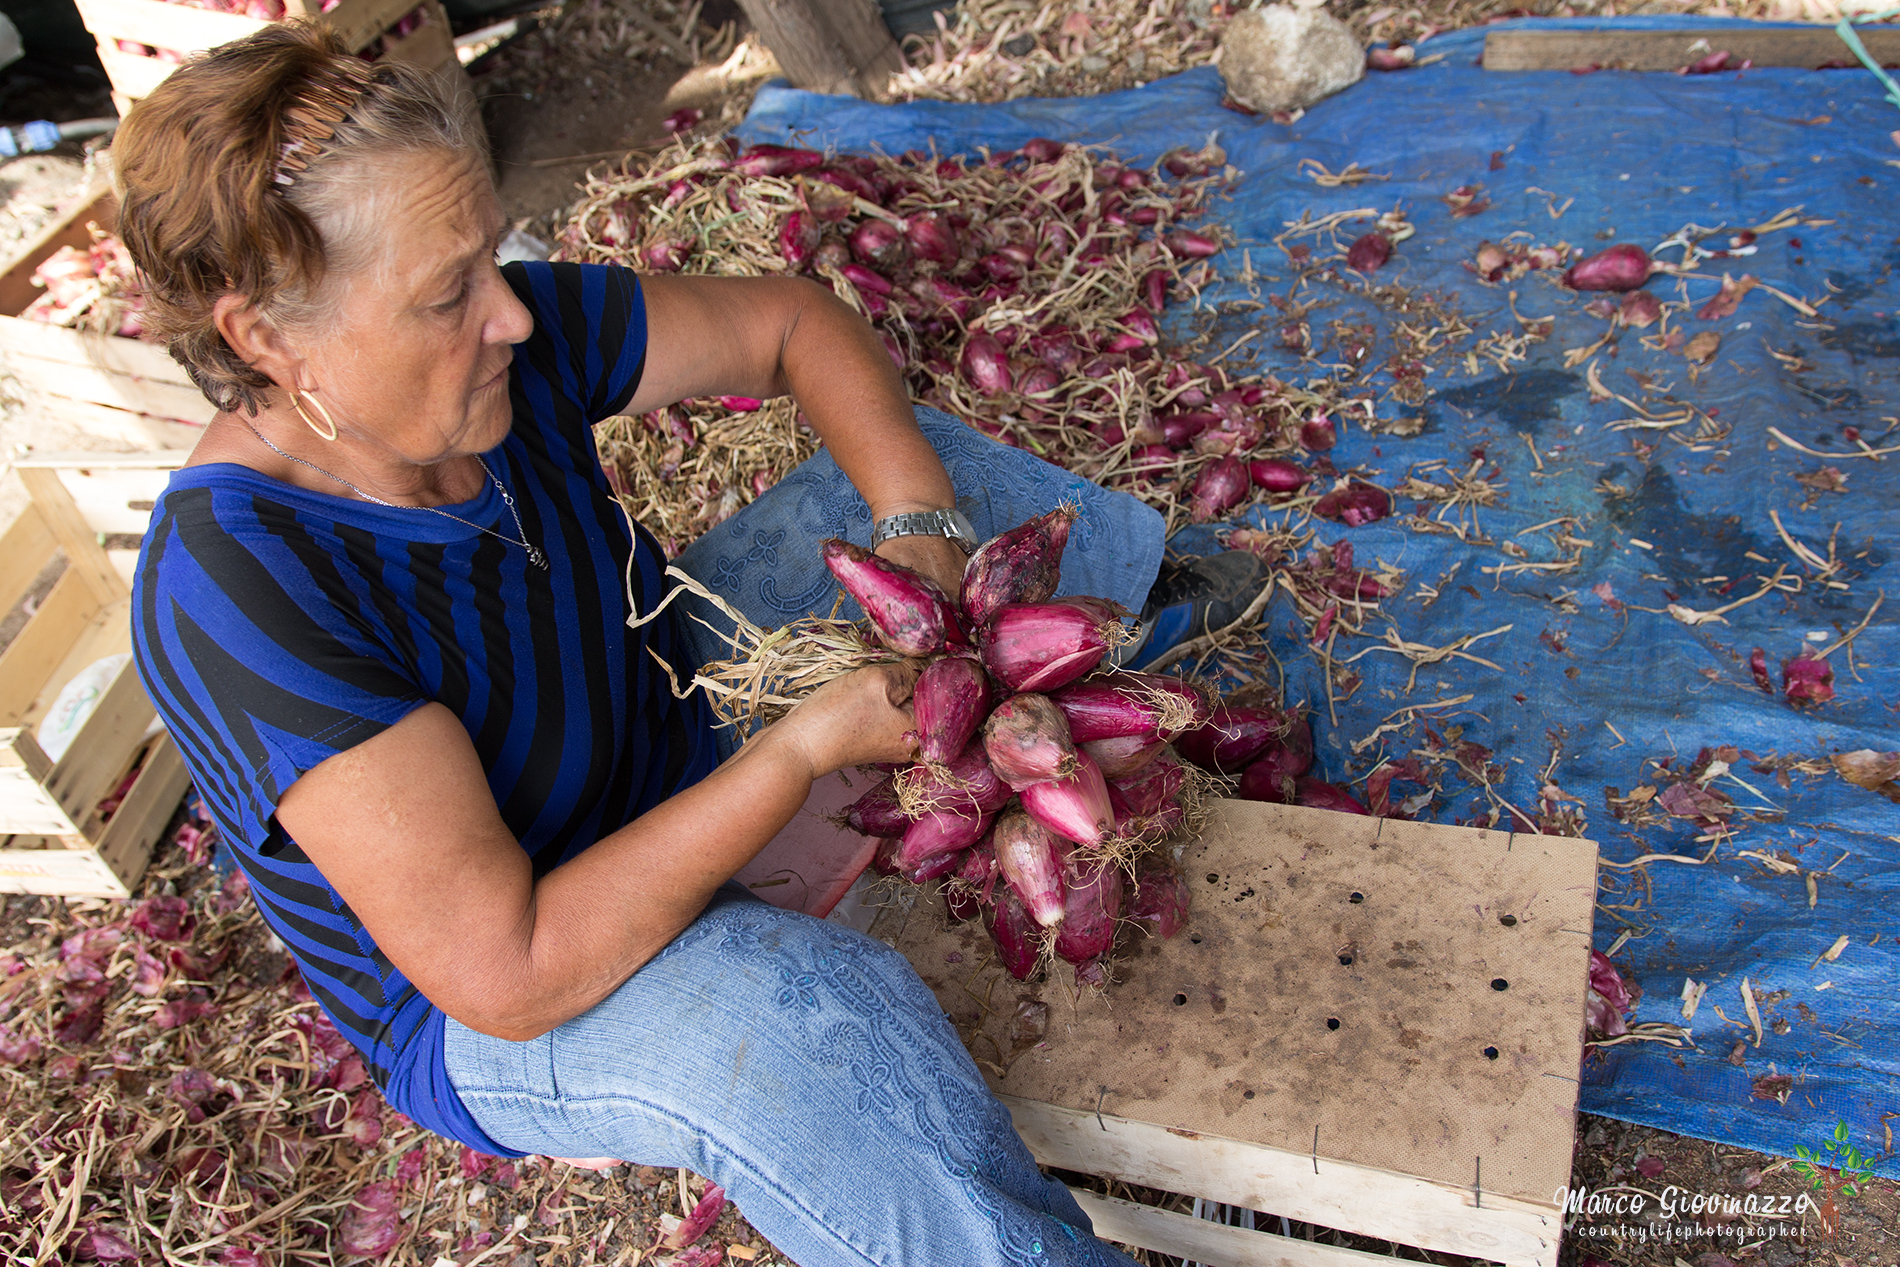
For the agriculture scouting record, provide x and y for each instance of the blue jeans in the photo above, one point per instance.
(804, 1068)
(801, 1065)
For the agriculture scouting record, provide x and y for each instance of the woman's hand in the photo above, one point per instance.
(935, 557)
(862, 717)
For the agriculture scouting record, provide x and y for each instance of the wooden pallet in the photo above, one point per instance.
(120, 389)
(53, 836)
(1326, 1041)
(183, 29)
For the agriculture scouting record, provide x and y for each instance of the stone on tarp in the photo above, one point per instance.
(1282, 57)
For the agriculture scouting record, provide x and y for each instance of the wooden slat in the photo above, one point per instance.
(25, 551)
(61, 346)
(126, 842)
(1671, 50)
(1361, 1199)
(97, 757)
(40, 647)
(131, 74)
(106, 387)
(57, 872)
(116, 499)
(360, 21)
(25, 803)
(1209, 1243)
(164, 25)
(150, 434)
(429, 47)
(85, 557)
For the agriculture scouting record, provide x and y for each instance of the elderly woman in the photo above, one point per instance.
(383, 611)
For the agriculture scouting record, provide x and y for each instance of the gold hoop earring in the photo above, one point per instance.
(296, 403)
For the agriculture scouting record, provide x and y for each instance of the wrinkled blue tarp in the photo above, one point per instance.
(1633, 157)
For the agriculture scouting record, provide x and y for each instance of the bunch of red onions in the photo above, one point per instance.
(1022, 291)
(1045, 782)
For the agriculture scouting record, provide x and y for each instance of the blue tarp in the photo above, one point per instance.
(1593, 667)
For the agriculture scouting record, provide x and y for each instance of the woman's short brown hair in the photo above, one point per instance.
(204, 207)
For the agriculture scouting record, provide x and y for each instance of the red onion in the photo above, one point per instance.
(1156, 785)
(1139, 331)
(1219, 487)
(798, 238)
(1057, 350)
(1624, 266)
(1001, 268)
(939, 832)
(852, 183)
(1758, 668)
(1075, 808)
(1037, 380)
(1178, 429)
(933, 238)
(1040, 149)
(832, 254)
(986, 364)
(666, 257)
(1124, 704)
(877, 812)
(1091, 902)
(951, 699)
(1150, 457)
(741, 404)
(1233, 736)
(963, 905)
(892, 350)
(684, 120)
(1191, 245)
(1125, 755)
(1018, 938)
(1161, 900)
(1369, 252)
(1154, 289)
(1027, 741)
(911, 614)
(939, 293)
(1040, 646)
(978, 867)
(1639, 310)
(1031, 861)
(777, 160)
(1394, 58)
(966, 784)
(884, 861)
(1277, 475)
(1807, 679)
(867, 280)
(1322, 795)
(1354, 505)
(1318, 434)
(1232, 434)
(1608, 997)
(1022, 565)
(935, 867)
(880, 244)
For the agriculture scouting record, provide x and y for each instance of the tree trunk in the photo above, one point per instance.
(836, 46)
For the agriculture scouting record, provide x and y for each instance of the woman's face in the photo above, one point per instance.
(417, 363)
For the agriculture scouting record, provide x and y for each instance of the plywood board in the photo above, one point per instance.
(1228, 1030)
(162, 25)
(1812, 47)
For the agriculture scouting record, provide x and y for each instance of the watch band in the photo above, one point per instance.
(927, 523)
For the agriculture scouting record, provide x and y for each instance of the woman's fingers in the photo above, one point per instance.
(856, 719)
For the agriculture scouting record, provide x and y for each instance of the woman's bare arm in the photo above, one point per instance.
(406, 829)
(774, 336)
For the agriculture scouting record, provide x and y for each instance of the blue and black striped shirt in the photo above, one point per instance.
(276, 627)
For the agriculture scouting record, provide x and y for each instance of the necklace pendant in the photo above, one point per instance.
(537, 558)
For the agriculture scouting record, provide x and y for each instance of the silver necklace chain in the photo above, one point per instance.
(535, 556)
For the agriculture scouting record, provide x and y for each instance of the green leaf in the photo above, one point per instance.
(1840, 1131)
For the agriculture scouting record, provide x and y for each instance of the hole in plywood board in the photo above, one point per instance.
(1332, 1022)
(1500, 984)
(1213, 878)
(1509, 921)
(1345, 961)
(1195, 938)
(1355, 897)
(1490, 1053)
(1180, 1000)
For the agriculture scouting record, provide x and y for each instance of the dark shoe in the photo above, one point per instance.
(1193, 597)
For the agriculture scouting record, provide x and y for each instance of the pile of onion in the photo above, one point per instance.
(1045, 785)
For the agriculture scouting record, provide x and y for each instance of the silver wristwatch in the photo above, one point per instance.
(927, 523)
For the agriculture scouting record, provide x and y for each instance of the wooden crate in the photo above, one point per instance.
(121, 389)
(53, 838)
(1348, 1033)
(183, 29)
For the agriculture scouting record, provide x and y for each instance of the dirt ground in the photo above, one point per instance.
(546, 135)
